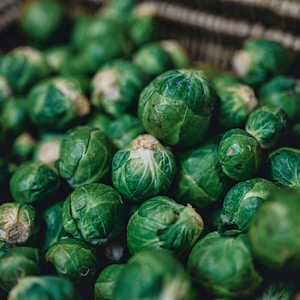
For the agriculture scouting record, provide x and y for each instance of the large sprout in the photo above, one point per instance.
(160, 276)
(224, 266)
(144, 168)
(177, 107)
(85, 155)
(161, 223)
(94, 213)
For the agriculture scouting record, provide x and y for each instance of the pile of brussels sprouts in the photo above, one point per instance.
(128, 171)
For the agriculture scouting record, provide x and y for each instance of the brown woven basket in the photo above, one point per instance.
(211, 30)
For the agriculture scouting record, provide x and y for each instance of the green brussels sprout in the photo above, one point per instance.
(98, 40)
(47, 148)
(57, 103)
(116, 86)
(94, 212)
(54, 229)
(5, 89)
(14, 115)
(278, 289)
(218, 76)
(85, 156)
(120, 130)
(224, 266)
(282, 167)
(191, 183)
(284, 92)
(106, 282)
(176, 107)
(240, 154)
(6, 170)
(57, 57)
(23, 146)
(19, 223)
(144, 168)
(16, 263)
(73, 259)
(267, 123)
(235, 102)
(41, 21)
(23, 66)
(178, 53)
(46, 287)
(143, 25)
(34, 182)
(117, 8)
(153, 274)
(274, 231)
(162, 223)
(259, 60)
(153, 59)
(241, 203)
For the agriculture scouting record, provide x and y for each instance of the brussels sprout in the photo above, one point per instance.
(191, 183)
(144, 168)
(47, 148)
(46, 287)
(153, 59)
(116, 86)
(106, 282)
(34, 182)
(5, 89)
(153, 274)
(16, 263)
(176, 107)
(259, 60)
(14, 115)
(93, 212)
(41, 21)
(279, 289)
(23, 66)
(6, 170)
(161, 223)
(178, 53)
(241, 203)
(23, 146)
(98, 40)
(143, 25)
(85, 156)
(54, 229)
(240, 154)
(282, 167)
(57, 104)
(224, 266)
(274, 231)
(236, 102)
(18, 223)
(57, 57)
(284, 92)
(73, 259)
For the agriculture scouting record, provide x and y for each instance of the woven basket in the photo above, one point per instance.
(211, 30)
